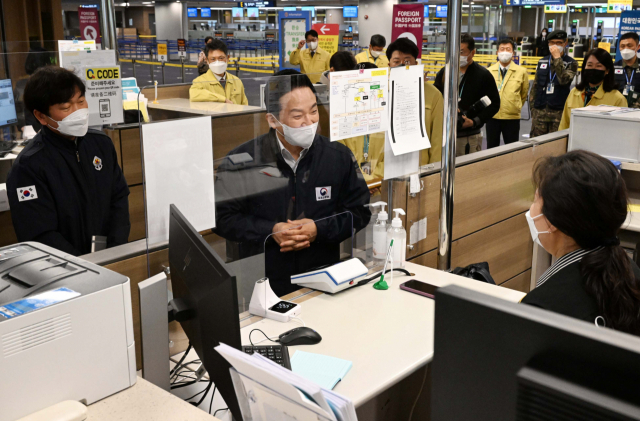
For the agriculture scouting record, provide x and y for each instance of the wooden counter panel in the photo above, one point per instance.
(429, 259)
(167, 92)
(424, 205)
(492, 190)
(136, 213)
(7, 233)
(115, 138)
(519, 282)
(232, 131)
(506, 246)
(131, 162)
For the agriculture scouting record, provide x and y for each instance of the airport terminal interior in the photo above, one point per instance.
(217, 210)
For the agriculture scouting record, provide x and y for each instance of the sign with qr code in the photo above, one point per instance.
(104, 95)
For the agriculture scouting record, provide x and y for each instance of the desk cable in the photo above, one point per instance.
(377, 276)
(413, 407)
(275, 338)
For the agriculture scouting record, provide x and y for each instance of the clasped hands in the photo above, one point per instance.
(295, 235)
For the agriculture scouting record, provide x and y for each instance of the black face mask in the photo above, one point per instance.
(594, 76)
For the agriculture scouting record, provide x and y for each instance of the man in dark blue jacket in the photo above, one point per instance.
(626, 70)
(66, 188)
(290, 193)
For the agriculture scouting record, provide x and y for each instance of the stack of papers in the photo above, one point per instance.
(289, 385)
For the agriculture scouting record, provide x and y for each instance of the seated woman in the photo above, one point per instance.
(579, 206)
(597, 86)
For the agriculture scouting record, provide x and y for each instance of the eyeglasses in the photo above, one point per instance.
(219, 60)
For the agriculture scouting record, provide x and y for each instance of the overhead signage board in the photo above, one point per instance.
(328, 34)
(192, 12)
(619, 6)
(516, 3)
(293, 26)
(104, 95)
(407, 22)
(441, 11)
(264, 3)
(205, 12)
(555, 8)
(350, 12)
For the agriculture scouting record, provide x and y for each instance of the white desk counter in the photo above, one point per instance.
(387, 335)
(203, 108)
(145, 402)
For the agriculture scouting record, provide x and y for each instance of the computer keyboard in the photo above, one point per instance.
(277, 353)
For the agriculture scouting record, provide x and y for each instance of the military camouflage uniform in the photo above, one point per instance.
(547, 120)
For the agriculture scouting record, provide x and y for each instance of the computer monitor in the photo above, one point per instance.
(7, 104)
(497, 360)
(206, 297)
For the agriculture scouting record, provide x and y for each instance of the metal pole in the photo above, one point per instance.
(448, 169)
(109, 38)
(163, 72)
(133, 62)
(152, 75)
(536, 27)
(182, 64)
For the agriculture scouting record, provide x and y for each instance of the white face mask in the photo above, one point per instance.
(312, 45)
(532, 227)
(464, 61)
(218, 67)
(505, 57)
(627, 54)
(75, 124)
(375, 54)
(299, 136)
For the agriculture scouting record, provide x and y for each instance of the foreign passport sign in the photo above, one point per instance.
(104, 95)
(182, 48)
(89, 24)
(328, 34)
(162, 52)
(408, 23)
(532, 2)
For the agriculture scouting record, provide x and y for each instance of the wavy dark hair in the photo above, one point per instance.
(585, 197)
(609, 82)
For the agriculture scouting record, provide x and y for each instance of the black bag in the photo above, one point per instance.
(477, 271)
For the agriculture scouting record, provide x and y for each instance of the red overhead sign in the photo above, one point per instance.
(89, 24)
(408, 23)
(327, 36)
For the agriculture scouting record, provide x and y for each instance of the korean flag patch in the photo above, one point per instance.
(97, 162)
(543, 65)
(27, 193)
(619, 71)
(323, 193)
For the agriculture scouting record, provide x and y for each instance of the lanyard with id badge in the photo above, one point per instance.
(629, 87)
(365, 166)
(550, 86)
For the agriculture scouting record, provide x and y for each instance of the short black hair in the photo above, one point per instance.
(468, 39)
(404, 45)
(609, 81)
(215, 45)
(38, 57)
(366, 65)
(343, 60)
(208, 39)
(630, 35)
(281, 84)
(51, 85)
(378, 41)
(507, 41)
(311, 32)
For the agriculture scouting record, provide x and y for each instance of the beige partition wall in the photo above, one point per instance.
(493, 191)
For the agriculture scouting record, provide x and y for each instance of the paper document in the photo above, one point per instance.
(399, 165)
(321, 369)
(4, 200)
(407, 130)
(76, 60)
(358, 101)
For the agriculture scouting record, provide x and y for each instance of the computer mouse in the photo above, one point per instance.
(299, 336)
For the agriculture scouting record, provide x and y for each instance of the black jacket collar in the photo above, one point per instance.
(59, 141)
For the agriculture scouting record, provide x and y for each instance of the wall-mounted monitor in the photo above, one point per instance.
(350, 12)
(253, 12)
(7, 104)
(441, 11)
(192, 12)
(289, 9)
(205, 12)
(237, 12)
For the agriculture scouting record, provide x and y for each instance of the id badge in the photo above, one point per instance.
(550, 89)
(366, 167)
(626, 90)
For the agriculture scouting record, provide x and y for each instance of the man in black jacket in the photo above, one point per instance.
(475, 82)
(290, 193)
(66, 188)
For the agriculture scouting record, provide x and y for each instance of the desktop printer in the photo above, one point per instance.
(66, 330)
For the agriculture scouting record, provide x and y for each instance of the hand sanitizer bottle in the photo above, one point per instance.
(380, 242)
(399, 236)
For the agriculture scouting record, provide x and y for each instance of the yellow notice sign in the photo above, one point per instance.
(379, 72)
(605, 46)
(102, 73)
(634, 208)
(162, 49)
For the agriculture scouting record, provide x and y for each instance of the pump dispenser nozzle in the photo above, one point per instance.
(382, 215)
(397, 222)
